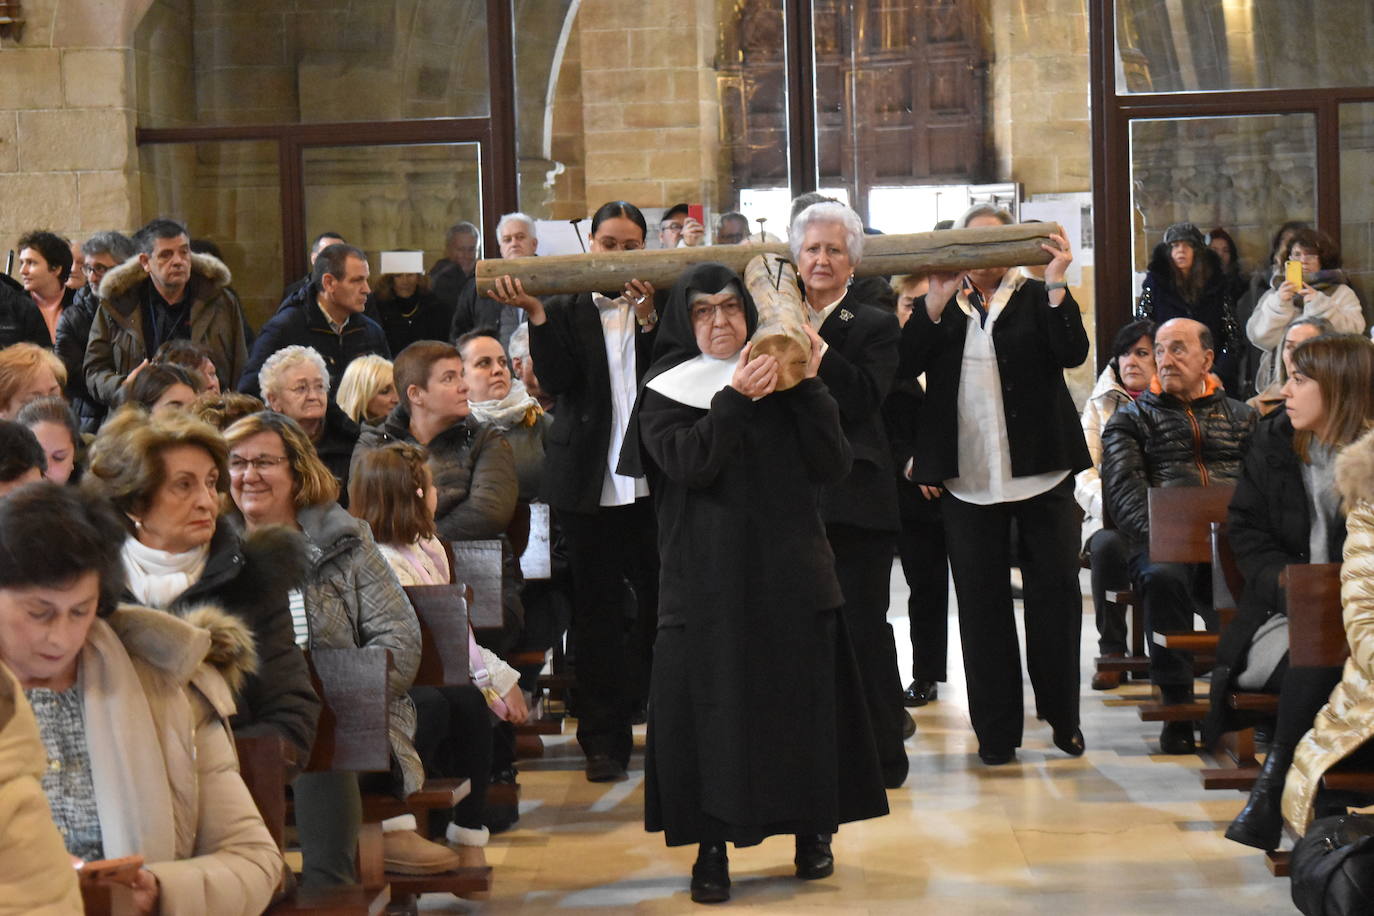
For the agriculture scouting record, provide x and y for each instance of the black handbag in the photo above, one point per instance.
(1332, 867)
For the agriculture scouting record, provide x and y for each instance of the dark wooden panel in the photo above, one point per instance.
(1316, 628)
(1181, 519)
(478, 565)
(262, 764)
(352, 732)
(443, 614)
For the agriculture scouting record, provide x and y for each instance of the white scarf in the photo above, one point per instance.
(695, 381)
(157, 578)
(508, 412)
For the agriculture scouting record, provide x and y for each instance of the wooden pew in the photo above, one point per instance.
(352, 686)
(1181, 532)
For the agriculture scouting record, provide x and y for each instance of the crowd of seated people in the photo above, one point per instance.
(260, 495)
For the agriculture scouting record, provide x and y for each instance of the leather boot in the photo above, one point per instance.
(1260, 822)
(814, 859)
(711, 874)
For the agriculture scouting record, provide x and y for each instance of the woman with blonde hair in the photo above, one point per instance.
(28, 372)
(367, 391)
(349, 599)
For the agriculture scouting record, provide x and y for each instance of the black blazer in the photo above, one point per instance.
(858, 368)
(1035, 343)
(569, 353)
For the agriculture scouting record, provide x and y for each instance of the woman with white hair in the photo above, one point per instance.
(999, 434)
(295, 382)
(860, 512)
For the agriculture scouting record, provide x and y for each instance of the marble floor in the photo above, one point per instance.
(1121, 830)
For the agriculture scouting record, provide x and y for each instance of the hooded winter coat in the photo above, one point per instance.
(1159, 441)
(1332, 299)
(158, 692)
(1347, 720)
(117, 343)
(36, 875)
(1161, 300)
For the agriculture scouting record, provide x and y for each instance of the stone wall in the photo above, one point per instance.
(67, 157)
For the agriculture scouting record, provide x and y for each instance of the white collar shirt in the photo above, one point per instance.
(984, 452)
(618, 329)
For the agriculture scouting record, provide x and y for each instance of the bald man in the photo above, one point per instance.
(1183, 432)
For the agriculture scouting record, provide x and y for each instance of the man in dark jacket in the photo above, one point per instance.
(166, 293)
(327, 316)
(20, 320)
(455, 269)
(1183, 432)
(100, 253)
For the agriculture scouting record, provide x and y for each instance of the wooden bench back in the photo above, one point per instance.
(262, 764)
(1181, 520)
(443, 614)
(1316, 629)
(352, 732)
(478, 564)
(1227, 581)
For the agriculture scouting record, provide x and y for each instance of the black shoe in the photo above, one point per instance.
(602, 768)
(920, 693)
(814, 858)
(996, 758)
(908, 726)
(1260, 822)
(1177, 738)
(711, 874)
(1070, 742)
(506, 777)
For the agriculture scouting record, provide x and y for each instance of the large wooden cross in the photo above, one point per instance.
(883, 255)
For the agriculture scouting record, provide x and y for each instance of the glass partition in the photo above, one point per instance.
(1202, 45)
(228, 192)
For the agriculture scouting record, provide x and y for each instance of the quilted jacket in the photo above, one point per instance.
(1160, 441)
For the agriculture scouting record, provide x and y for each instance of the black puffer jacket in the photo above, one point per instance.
(73, 331)
(1160, 441)
(1270, 527)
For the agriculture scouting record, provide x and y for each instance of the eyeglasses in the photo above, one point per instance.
(301, 389)
(731, 309)
(261, 464)
(676, 227)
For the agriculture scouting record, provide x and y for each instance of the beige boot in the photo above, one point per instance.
(405, 852)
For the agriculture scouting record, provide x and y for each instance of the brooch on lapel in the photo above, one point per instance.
(846, 315)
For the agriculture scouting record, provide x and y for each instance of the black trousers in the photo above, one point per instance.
(1171, 593)
(613, 557)
(453, 736)
(863, 566)
(979, 539)
(925, 566)
(1109, 570)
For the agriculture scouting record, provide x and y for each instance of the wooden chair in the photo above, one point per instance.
(1181, 532)
(478, 565)
(1138, 661)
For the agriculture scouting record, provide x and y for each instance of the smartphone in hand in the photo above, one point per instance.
(1292, 272)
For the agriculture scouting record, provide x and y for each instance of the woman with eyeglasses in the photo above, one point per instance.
(295, 383)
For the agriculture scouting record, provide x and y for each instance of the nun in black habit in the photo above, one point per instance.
(757, 722)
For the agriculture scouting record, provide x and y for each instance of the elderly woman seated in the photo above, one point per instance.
(166, 474)
(111, 688)
(295, 382)
(350, 598)
(27, 373)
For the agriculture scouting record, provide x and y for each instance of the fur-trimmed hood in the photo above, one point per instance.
(211, 271)
(178, 646)
(1355, 471)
